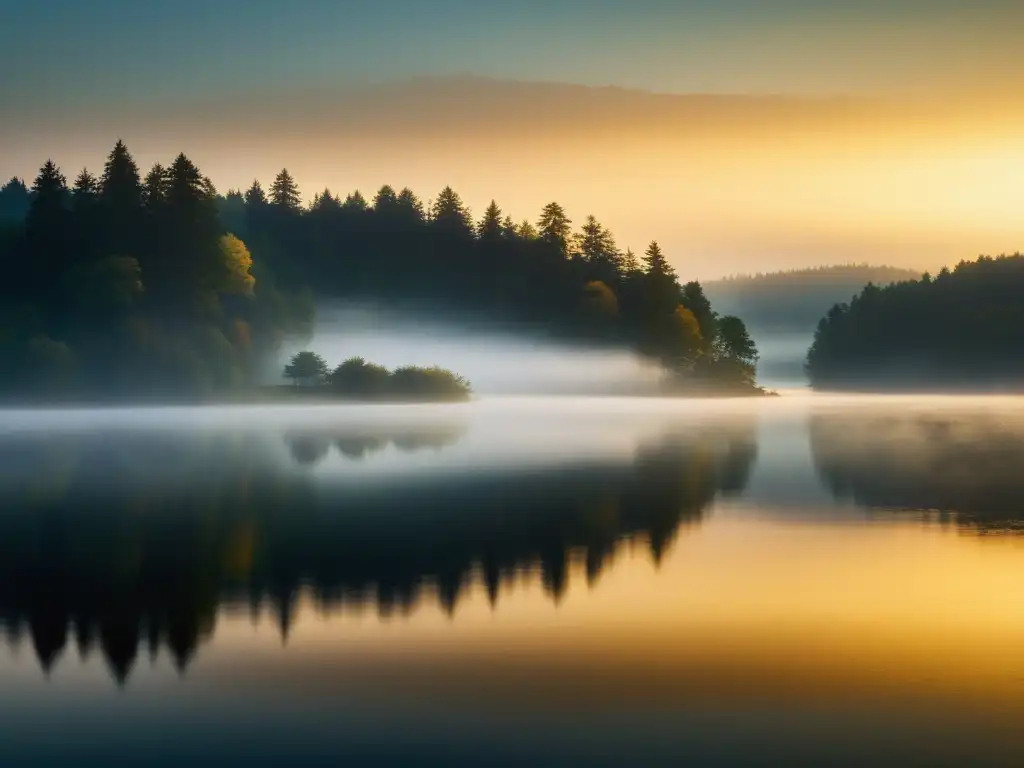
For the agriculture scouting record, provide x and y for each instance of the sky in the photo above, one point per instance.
(248, 86)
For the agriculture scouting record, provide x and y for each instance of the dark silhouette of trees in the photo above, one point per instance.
(135, 278)
(961, 329)
(306, 367)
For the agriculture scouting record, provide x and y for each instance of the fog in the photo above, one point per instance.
(496, 361)
(510, 361)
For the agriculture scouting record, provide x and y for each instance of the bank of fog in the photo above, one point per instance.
(496, 361)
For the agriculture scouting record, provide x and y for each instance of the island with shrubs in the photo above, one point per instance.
(357, 379)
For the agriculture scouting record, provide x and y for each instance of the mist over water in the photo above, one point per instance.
(771, 580)
(495, 360)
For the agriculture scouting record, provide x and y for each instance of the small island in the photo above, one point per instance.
(358, 379)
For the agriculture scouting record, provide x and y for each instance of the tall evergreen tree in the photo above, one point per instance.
(630, 263)
(121, 201)
(450, 214)
(385, 201)
(255, 196)
(410, 204)
(14, 200)
(284, 193)
(655, 262)
(48, 231)
(85, 192)
(154, 189)
(355, 202)
(555, 228)
(491, 229)
(325, 202)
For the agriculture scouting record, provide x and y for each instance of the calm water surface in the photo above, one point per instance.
(800, 580)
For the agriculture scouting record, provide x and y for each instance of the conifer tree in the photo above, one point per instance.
(655, 262)
(490, 229)
(284, 193)
(410, 205)
(554, 228)
(255, 196)
(120, 185)
(385, 201)
(630, 264)
(14, 200)
(154, 188)
(449, 213)
(355, 202)
(86, 190)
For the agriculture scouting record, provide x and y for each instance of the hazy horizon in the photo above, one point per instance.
(727, 184)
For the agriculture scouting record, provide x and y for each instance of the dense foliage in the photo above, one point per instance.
(121, 285)
(125, 279)
(358, 379)
(794, 300)
(962, 328)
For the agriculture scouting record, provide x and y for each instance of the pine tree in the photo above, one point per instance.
(284, 193)
(509, 230)
(410, 205)
(85, 192)
(655, 262)
(554, 228)
(120, 185)
(325, 202)
(255, 196)
(490, 228)
(47, 232)
(355, 202)
(526, 231)
(630, 264)
(154, 189)
(385, 201)
(450, 214)
(14, 200)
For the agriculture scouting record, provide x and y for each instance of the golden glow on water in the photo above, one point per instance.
(739, 609)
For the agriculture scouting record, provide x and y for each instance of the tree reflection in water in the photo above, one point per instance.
(129, 540)
(963, 469)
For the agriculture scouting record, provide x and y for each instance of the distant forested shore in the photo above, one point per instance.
(792, 301)
(125, 284)
(962, 330)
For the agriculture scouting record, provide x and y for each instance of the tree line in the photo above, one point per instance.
(119, 284)
(183, 278)
(962, 328)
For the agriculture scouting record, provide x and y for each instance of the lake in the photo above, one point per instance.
(805, 579)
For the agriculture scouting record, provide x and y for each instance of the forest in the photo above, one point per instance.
(793, 301)
(960, 329)
(123, 284)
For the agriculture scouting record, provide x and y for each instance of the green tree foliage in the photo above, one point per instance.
(121, 286)
(306, 368)
(961, 329)
(357, 378)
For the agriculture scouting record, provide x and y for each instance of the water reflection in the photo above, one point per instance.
(310, 446)
(952, 467)
(132, 542)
